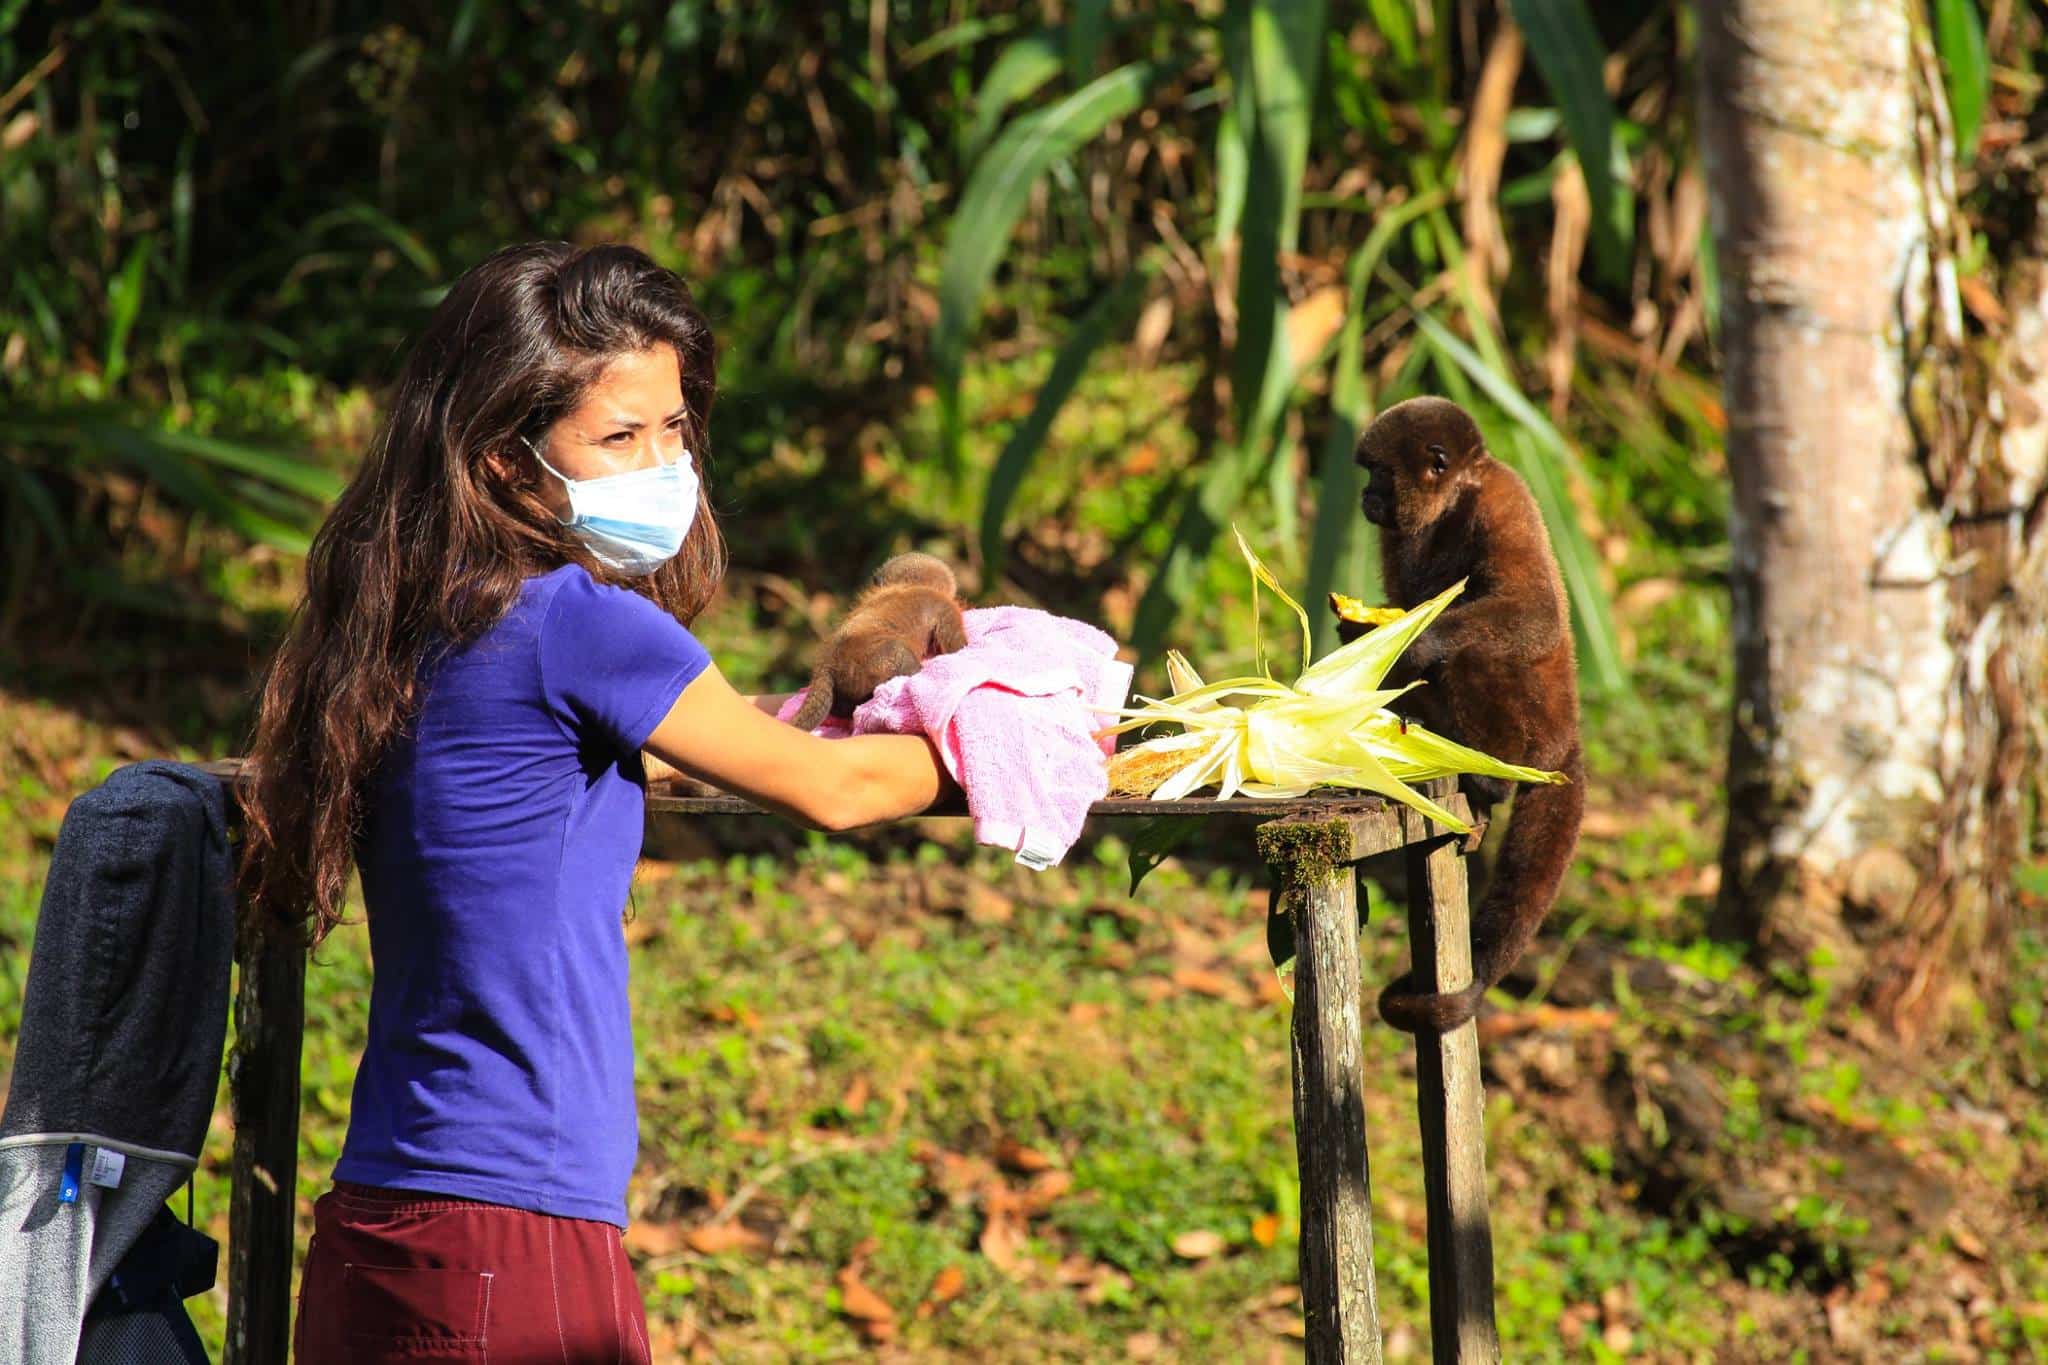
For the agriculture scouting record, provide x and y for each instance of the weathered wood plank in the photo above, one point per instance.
(263, 1092)
(697, 798)
(1450, 1103)
(1312, 863)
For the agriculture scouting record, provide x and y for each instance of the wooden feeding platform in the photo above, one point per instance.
(1312, 844)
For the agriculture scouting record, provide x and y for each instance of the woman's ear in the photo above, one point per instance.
(504, 464)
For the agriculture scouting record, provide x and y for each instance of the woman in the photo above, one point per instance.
(494, 629)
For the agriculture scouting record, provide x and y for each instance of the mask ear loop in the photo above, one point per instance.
(566, 480)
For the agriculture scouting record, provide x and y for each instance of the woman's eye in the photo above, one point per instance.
(618, 438)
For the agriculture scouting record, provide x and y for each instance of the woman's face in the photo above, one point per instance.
(632, 418)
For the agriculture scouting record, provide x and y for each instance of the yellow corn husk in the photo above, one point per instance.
(1330, 729)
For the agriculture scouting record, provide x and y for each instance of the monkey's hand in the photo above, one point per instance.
(1438, 641)
(1470, 843)
(1410, 1011)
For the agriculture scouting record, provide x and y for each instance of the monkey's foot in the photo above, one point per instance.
(1415, 1012)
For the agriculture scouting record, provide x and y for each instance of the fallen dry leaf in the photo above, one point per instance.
(1266, 1229)
(1143, 1346)
(713, 1238)
(1203, 981)
(1967, 1241)
(1284, 1324)
(742, 1015)
(653, 1239)
(1003, 1238)
(1198, 1245)
(1044, 1188)
(1017, 1157)
(876, 1318)
(1598, 823)
(856, 1300)
(953, 1174)
(947, 1286)
(1538, 1017)
(986, 905)
(856, 1097)
(1095, 1280)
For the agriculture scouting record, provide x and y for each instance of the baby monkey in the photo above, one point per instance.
(908, 612)
(1497, 663)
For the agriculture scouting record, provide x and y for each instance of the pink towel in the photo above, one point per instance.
(1011, 717)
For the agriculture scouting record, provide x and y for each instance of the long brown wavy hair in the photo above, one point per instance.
(429, 543)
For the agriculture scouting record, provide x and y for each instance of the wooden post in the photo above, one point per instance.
(1449, 1103)
(1312, 861)
(263, 1092)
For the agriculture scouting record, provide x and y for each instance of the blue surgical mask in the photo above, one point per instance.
(633, 522)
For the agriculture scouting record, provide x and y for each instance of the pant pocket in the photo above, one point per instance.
(397, 1312)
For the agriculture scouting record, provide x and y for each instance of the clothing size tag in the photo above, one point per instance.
(74, 1165)
(1038, 854)
(107, 1166)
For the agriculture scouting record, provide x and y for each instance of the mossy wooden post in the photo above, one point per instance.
(263, 1095)
(1450, 1104)
(1312, 859)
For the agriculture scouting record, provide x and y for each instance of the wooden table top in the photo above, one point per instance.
(696, 798)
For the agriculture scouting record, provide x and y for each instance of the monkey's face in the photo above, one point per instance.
(1416, 479)
(1377, 502)
(1413, 456)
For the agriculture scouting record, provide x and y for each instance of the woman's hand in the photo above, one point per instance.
(734, 742)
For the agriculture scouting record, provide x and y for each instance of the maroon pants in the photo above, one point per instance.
(400, 1275)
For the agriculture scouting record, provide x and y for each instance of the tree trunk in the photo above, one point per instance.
(1887, 535)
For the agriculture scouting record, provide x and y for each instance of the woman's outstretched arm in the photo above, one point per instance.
(767, 702)
(734, 742)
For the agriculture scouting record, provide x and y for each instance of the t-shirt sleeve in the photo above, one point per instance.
(612, 662)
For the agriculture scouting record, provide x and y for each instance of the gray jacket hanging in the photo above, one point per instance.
(118, 1060)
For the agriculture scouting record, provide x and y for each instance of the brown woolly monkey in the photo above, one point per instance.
(907, 613)
(1497, 663)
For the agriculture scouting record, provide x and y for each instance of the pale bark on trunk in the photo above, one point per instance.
(1887, 516)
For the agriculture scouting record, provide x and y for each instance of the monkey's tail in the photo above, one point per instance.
(1537, 851)
(817, 702)
(1535, 854)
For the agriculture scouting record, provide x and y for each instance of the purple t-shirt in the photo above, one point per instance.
(499, 844)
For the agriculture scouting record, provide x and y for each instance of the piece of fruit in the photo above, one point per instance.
(1355, 609)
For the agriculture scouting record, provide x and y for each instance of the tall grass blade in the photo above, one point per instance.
(1024, 66)
(124, 303)
(1959, 39)
(1567, 50)
(1087, 27)
(994, 199)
